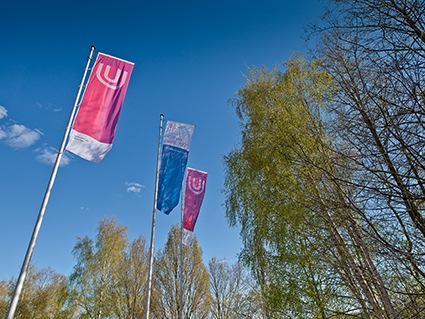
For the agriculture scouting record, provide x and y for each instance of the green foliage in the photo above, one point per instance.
(129, 294)
(195, 281)
(96, 269)
(45, 296)
(108, 279)
(328, 183)
(270, 189)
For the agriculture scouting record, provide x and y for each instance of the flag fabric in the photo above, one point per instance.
(174, 156)
(194, 195)
(94, 127)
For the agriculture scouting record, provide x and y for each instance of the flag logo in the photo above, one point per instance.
(196, 184)
(106, 80)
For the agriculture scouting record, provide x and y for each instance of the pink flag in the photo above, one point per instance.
(94, 128)
(194, 195)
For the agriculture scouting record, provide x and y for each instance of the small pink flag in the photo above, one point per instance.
(194, 195)
(94, 127)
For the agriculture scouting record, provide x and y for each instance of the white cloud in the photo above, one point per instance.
(3, 134)
(3, 112)
(19, 136)
(133, 187)
(48, 155)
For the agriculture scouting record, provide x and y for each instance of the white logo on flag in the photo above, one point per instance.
(196, 185)
(107, 80)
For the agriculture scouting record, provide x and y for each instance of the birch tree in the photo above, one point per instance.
(95, 275)
(302, 235)
(233, 291)
(195, 281)
(129, 293)
(374, 50)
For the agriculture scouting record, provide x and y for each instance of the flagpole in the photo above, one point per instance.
(30, 249)
(151, 251)
(181, 252)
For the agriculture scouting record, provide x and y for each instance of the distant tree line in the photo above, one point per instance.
(109, 281)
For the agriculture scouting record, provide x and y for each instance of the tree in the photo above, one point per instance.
(195, 281)
(233, 292)
(354, 167)
(129, 293)
(273, 180)
(95, 276)
(291, 189)
(3, 298)
(374, 50)
(45, 296)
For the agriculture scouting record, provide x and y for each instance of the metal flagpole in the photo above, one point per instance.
(30, 250)
(151, 251)
(181, 253)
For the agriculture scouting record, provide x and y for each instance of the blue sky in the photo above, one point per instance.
(190, 58)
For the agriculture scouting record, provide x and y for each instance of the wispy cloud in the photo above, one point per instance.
(3, 112)
(19, 136)
(133, 187)
(47, 155)
(48, 107)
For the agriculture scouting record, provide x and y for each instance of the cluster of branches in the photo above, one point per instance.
(109, 281)
(327, 183)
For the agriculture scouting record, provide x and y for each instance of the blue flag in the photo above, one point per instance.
(175, 152)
